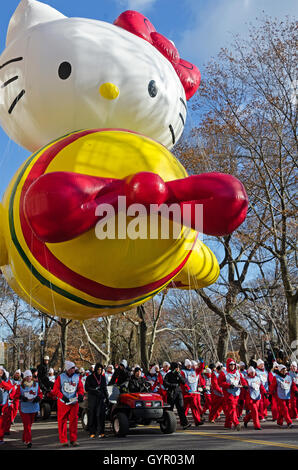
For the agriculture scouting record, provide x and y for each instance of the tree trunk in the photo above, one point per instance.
(143, 338)
(292, 320)
(63, 341)
(108, 338)
(55, 355)
(223, 341)
(156, 319)
(243, 347)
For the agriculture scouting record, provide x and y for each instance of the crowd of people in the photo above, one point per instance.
(241, 392)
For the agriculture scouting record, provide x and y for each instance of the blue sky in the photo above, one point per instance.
(198, 27)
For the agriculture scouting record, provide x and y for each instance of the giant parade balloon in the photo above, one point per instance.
(102, 216)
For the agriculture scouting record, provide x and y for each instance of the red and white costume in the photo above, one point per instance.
(217, 396)
(294, 400)
(271, 375)
(191, 397)
(283, 386)
(163, 372)
(263, 374)
(242, 396)
(206, 384)
(231, 381)
(7, 391)
(109, 373)
(253, 397)
(68, 387)
(16, 402)
(155, 379)
(30, 391)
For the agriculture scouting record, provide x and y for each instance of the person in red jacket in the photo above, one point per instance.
(163, 372)
(254, 394)
(155, 379)
(29, 394)
(217, 397)
(16, 380)
(8, 412)
(283, 385)
(69, 390)
(263, 374)
(191, 395)
(272, 396)
(294, 400)
(241, 401)
(5, 390)
(231, 381)
(206, 384)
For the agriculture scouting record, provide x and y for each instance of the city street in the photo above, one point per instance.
(148, 438)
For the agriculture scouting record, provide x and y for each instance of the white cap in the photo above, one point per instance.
(69, 365)
(281, 367)
(27, 373)
(241, 363)
(5, 371)
(81, 369)
(187, 362)
(124, 362)
(166, 364)
(275, 364)
(110, 366)
(194, 363)
(153, 369)
(260, 362)
(18, 371)
(294, 363)
(251, 370)
(51, 370)
(46, 358)
(218, 364)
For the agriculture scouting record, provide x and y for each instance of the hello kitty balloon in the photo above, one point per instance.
(100, 105)
(61, 74)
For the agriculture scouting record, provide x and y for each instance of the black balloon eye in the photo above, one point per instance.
(152, 88)
(64, 70)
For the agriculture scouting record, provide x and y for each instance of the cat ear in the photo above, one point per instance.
(30, 13)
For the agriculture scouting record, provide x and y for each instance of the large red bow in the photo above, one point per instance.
(139, 25)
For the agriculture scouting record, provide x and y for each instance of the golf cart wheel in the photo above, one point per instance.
(84, 420)
(120, 424)
(45, 410)
(169, 423)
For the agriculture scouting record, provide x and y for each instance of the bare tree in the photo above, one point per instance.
(247, 114)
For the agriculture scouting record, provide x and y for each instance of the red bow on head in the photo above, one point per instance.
(138, 24)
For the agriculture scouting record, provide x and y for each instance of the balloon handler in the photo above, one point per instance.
(172, 382)
(69, 390)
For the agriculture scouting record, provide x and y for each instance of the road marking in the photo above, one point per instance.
(234, 438)
(252, 441)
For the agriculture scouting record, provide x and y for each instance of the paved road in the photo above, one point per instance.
(149, 438)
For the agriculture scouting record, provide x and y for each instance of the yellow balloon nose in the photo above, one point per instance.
(109, 91)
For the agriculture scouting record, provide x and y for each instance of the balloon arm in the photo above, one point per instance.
(61, 206)
(222, 197)
(212, 203)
